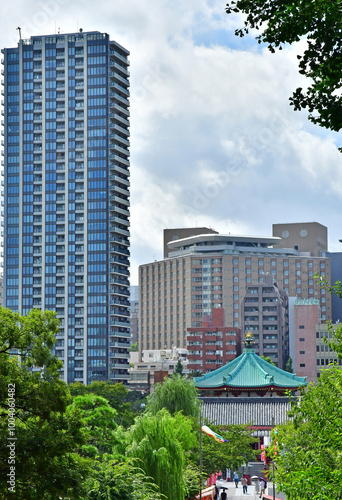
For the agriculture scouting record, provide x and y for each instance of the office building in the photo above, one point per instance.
(180, 233)
(209, 271)
(324, 353)
(264, 313)
(66, 227)
(303, 318)
(309, 350)
(1, 291)
(336, 276)
(310, 237)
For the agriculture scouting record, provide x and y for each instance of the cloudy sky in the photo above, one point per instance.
(214, 141)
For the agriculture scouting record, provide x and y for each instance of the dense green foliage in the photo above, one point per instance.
(179, 368)
(268, 359)
(175, 394)
(85, 448)
(309, 458)
(115, 394)
(134, 347)
(288, 21)
(99, 420)
(122, 481)
(289, 365)
(47, 435)
(238, 450)
(159, 441)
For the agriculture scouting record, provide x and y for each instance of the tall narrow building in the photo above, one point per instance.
(66, 195)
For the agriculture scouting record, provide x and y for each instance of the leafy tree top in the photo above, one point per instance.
(268, 359)
(115, 394)
(47, 433)
(134, 347)
(289, 365)
(160, 441)
(286, 21)
(308, 458)
(176, 393)
(179, 368)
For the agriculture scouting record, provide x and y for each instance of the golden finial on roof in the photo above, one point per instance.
(249, 340)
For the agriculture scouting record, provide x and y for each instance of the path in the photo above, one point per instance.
(237, 494)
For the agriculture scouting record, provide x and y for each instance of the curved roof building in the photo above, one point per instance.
(251, 374)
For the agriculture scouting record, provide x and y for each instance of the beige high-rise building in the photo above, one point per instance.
(309, 237)
(209, 271)
(181, 233)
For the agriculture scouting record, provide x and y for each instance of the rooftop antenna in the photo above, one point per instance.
(19, 29)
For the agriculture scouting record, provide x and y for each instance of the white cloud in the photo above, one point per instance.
(213, 138)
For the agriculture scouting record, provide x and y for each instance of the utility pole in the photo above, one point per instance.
(273, 479)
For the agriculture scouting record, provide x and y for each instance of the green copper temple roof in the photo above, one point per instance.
(249, 371)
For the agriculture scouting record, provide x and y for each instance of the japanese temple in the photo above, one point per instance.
(248, 375)
(248, 390)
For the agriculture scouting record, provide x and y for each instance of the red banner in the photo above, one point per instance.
(263, 456)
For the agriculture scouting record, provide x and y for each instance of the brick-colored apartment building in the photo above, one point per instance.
(212, 345)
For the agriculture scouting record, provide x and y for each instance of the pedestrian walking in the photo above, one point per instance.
(263, 486)
(236, 479)
(257, 487)
(244, 485)
(223, 495)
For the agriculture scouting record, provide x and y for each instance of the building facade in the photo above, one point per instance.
(310, 237)
(264, 313)
(336, 275)
(66, 227)
(209, 271)
(212, 345)
(180, 233)
(303, 337)
(155, 365)
(134, 313)
(324, 353)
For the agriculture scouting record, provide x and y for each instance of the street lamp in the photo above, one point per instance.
(273, 466)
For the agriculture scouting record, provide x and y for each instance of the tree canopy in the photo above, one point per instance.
(122, 481)
(116, 395)
(99, 421)
(238, 449)
(176, 393)
(46, 434)
(289, 365)
(268, 359)
(134, 347)
(179, 368)
(283, 22)
(309, 457)
(159, 441)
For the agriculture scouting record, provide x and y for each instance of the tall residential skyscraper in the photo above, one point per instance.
(66, 209)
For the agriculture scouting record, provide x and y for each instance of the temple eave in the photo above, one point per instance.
(227, 388)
